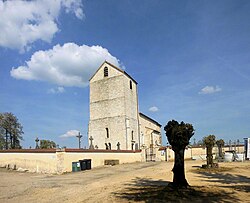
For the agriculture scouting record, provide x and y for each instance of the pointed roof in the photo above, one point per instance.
(150, 119)
(122, 71)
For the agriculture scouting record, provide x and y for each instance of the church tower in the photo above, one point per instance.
(114, 116)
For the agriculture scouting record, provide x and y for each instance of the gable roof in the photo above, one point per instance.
(150, 119)
(120, 70)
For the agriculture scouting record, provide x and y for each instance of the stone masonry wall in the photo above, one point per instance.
(113, 105)
(147, 128)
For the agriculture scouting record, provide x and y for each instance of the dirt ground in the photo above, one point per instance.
(137, 182)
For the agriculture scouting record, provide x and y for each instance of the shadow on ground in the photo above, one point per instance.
(148, 190)
(225, 178)
(233, 181)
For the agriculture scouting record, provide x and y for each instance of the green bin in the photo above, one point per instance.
(76, 166)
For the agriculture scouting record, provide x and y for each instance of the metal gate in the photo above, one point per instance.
(150, 154)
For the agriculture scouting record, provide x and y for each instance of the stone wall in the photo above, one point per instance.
(167, 154)
(99, 156)
(113, 108)
(150, 131)
(197, 153)
(60, 161)
(40, 161)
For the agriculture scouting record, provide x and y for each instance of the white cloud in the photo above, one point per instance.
(57, 90)
(70, 133)
(67, 65)
(24, 22)
(74, 6)
(210, 90)
(153, 109)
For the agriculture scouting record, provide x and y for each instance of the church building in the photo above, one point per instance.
(115, 121)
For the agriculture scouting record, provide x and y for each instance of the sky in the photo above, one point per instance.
(191, 60)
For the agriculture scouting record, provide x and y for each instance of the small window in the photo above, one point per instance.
(130, 84)
(106, 72)
(132, 133)
(107, 132)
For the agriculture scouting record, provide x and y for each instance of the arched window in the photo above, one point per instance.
(132, 135)
(106, 72)
(107, 132)
(109, 146)
(130, 84)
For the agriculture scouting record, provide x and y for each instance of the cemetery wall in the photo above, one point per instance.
(60, 161)
(40, 161)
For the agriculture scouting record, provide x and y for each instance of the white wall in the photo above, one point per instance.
(61, 161)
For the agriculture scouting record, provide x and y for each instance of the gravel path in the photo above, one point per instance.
(137, 182)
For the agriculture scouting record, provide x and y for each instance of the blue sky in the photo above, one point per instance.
(190, 58)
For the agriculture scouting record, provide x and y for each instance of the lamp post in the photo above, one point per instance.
(79, 136)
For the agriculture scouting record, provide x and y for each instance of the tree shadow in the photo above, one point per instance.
(224, 178)
(239, 187)
(148, 190)
(234, 181)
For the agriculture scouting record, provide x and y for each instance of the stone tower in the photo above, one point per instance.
(114, 116)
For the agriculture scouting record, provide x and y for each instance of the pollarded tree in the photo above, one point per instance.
(220, 143)
(178, 135)
(209, 142)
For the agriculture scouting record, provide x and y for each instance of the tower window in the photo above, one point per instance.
(107, 132)
(130, 84)
(106, 72)
(132, 133)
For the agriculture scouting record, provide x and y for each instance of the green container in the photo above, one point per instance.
(76, 166)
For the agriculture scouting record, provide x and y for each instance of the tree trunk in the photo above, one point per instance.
(6, 139)
(178, 170)
(220, 150)
(209, 156)
(11, 141)
(14, 141)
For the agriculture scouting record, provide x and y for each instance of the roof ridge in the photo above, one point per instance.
(117, 68)
(140, 113)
